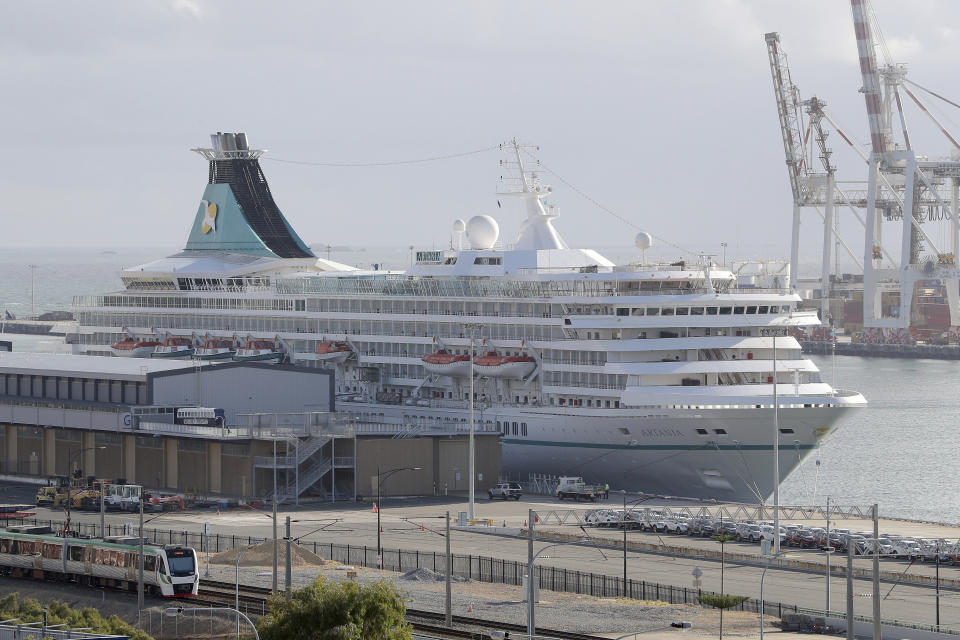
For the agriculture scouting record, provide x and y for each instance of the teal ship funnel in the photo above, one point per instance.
(237, 212)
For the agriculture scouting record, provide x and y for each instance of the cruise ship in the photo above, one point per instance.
(656, 378)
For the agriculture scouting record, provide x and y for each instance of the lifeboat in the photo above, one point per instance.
(494, 365)
(131, 347)
(216, 349)
(259, 350)
(174, 347)
(335, 352)
(446, 364)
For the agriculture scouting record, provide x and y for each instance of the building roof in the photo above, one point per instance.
(59, 364)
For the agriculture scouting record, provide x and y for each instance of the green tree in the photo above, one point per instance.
(30, 610)
(329, 610)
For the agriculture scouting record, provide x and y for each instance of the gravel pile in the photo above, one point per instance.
(426, 575)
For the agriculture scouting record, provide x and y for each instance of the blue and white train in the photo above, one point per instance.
(168, 570)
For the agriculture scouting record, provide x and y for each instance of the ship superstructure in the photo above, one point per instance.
(651, 377)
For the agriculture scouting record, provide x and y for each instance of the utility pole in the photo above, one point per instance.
(531, 623)
(473, 356)
(288, 577)
(937, 596)
(850, 592)
(623, 523)
(448, 618)
(103, 529)
(877, 631)
(140, 558)
(827, 552)
(275, 550)
(776, 455)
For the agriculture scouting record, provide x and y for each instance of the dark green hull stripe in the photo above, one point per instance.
(660, 447)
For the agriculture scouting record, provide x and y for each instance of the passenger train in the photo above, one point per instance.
(169, 570)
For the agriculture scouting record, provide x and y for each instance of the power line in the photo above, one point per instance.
(392, 163)
(616, 215)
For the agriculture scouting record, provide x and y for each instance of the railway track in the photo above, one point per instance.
(213, 593)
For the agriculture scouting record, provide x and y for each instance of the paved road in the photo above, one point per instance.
(357, 525)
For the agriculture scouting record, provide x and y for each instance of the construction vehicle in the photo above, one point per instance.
(54, 493)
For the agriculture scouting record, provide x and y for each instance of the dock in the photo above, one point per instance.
(868, 350)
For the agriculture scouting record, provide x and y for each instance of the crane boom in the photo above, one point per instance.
(871, 78)
(788, 111)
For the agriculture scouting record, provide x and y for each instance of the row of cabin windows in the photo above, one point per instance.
(699, 311)
(590, 402)
(512, 428)
(77, 553)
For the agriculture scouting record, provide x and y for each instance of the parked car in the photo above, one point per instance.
(506, 490)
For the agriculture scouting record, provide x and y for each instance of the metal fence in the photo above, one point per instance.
(472, 567)
(478, 568)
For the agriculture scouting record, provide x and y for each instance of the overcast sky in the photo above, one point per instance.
(662, 111)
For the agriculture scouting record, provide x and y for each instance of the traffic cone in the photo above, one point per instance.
(470, 608)
(524, 524)
(536, 519)
(422, 527)
(375, 507)
(381, 528)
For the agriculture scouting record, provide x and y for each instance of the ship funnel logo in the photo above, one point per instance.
(209, 216)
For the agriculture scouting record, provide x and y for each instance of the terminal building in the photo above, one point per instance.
(219, 430)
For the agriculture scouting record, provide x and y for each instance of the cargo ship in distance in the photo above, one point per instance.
(657, 378)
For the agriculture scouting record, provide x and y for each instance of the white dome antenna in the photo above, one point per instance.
(483, 232)
(643, 241)
(457, 231)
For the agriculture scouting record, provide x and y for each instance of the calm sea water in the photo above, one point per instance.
(898, 452)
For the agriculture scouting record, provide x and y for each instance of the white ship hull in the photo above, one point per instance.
(661, 453)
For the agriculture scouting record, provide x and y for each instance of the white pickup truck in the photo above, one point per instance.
(506, 490)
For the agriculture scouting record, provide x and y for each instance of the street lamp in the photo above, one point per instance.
(473, 328)
(724, 245)
(71, 456)
(381, 476)
(236, 593)
(531, 559)
(179, 610)
(762, 576)
(623, 523)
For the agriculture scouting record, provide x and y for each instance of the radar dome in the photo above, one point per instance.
(459, 226)
(483, 232)
(643, 240)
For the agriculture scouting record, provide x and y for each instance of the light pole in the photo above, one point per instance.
(623, 522)
(33, 291)
(381, 476)
(773, 332)
(531, 559)
(236, 592)
(472, 328)
(762, 576)
(724, 245)
(179, 610)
